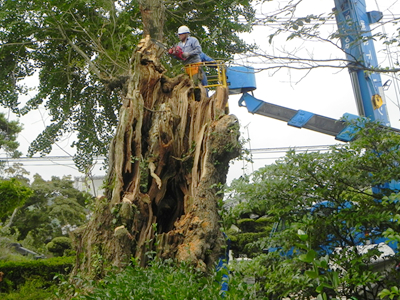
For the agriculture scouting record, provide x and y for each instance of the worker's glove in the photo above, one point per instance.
(185, 55)
(172, 50)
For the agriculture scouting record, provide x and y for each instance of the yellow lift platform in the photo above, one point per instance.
(215, 72)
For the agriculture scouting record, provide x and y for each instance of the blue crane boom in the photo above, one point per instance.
(341, 130)
(355, 33)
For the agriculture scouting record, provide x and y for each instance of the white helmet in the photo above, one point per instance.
(183, 29)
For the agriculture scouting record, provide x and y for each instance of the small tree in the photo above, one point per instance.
(52, 205)
(294, 28)
(12, 195)
(327, 196)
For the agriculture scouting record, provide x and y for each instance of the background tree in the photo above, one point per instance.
(12, 195)
(54, 208)
(8, 136)
(17, 171)
(337, 186)
(14, 192)
(59, 246)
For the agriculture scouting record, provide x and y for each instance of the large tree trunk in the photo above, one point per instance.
(168, 159)
(153, 17)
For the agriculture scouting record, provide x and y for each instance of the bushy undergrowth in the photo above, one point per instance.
(17, 273)
(34, 288)
(161, 280)
(36, 280)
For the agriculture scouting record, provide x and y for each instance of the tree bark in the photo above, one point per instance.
(8, 225)
(153, 17)
(167, 161)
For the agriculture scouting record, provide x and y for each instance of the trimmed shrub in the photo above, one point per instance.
(16, 273)
(59, 245)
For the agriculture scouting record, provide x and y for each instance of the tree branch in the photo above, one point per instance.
(92, 66)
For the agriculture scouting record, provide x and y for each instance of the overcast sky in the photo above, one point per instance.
(326, 92)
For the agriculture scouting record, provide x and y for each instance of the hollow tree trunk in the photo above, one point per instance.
(167, 160)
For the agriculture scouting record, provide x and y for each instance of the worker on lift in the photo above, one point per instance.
(205, 58)
(191, 49)
(190, 46)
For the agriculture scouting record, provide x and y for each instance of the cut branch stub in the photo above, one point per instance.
(169, 155)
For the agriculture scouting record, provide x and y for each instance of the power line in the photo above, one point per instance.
(264, 21)
(44, 158)
(286, 149)
(273, 150)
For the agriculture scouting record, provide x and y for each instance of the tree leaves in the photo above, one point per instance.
(325, 208)
(12, 195)
(82, 51)
(50, 205)
(8, 136)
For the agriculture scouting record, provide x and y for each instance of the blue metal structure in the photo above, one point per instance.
(354, 30)
(355, 33)
(302, 119)
(240, 79)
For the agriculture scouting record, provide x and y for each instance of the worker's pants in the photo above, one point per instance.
(204, 81)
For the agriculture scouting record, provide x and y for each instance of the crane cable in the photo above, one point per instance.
(391, 64)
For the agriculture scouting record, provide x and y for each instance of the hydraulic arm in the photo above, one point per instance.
(355, 33)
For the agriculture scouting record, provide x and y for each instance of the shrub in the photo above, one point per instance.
(33, 289)
(13, 194)
(59, 245)
(165, 280)
(16, 273)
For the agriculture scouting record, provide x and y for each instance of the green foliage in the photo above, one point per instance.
(12, 195)
(54, 206)
(164, 280)
(8, 135)
(392, 289)
(348, 273)
(254, 225)
(82, 51)
(337, 185)
(17, 273)
(393, 293)
(34, 288)
(59, 245)
(243, 242)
